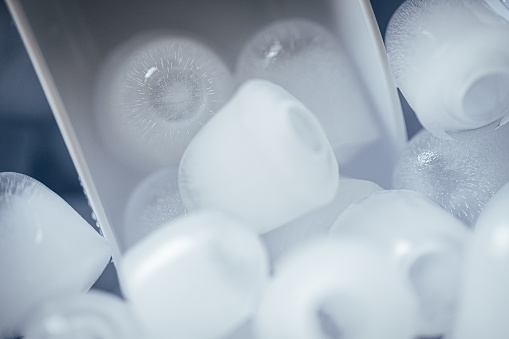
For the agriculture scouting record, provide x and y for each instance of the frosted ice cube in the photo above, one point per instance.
(199, 276)
(449, 59)
(46, 250)
(460, 175)
(337, 289)
(425, 241)
(305, 59)
(317, 222)
(263, 158)
(92, 315)
(155, 92)
(154, 202)
(484, 302)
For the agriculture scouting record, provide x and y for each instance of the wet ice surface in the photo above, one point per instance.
(263, 158)
(460, 175)
(337, 289)
(154, 202)
(42, 239)
(94, 315)
(425, 241)
(318, 221)
(154, 94)
(484, 302)
(200, 276)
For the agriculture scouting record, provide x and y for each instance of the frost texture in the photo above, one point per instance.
(460, 175)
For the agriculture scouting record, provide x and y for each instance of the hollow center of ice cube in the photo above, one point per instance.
(339, 318)
(487, 97)
(176, 96)
(305, 128)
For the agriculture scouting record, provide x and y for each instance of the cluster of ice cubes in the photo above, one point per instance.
(258, 234)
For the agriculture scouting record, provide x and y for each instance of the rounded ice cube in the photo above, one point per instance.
(337, 289)
(263, 158)
(425, 241)
(155, 92)
(484, 303)
(461, 175)
(200, 276)
(449, 59)
(47, 250)
(153, 203)
(95, 315)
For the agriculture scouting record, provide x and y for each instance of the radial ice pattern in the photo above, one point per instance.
(154, 94)
(200, 276)
(484, 302)
(460, 175)
(154, 202)
(94, 315)
(337, 289)
(317, 222)
(307, 60)
(425, 241)
(47, 250)
(449, 58)
(263, 158)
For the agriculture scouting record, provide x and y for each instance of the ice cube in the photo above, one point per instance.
(317, 222)
(93, 315)
(154, 202)
(337, 289)
(460, 175)
(47, 250)
(449, 59)
(155, 92)
(484, 302)
(425, 241)
(200, 276)
(263, 158)
(306, 59)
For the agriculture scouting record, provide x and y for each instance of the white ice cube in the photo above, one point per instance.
(424, 240)
(484, 303)
(47, 250)
(263, 158)
(337, 289)
(200, 276)
(92, 315)
(154, 202)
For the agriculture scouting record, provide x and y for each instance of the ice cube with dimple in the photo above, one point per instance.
(425, 241)
(154, 93)
(306, 59)
(92, 315)
(449, 58)
(200, 276)
(337, 289)
(263, 158)
(461, 175)
(317, 222)
(484, 302)
(47, 250)
(154, 202)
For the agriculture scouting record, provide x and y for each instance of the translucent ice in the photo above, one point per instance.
(199, 276)
(46, 250)
(306, 60)
(318, 221)
(460, 175)
(263, 158)
(154, 202)
(484, 302)
(94, 315)
(424, 240)
(501, 7)
(337, 289)
(154, 94)
(449, 58)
